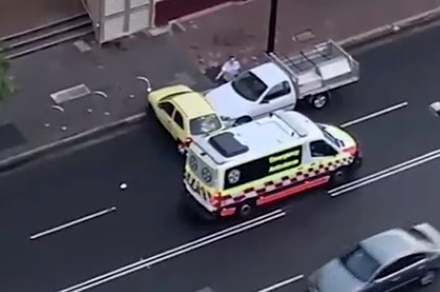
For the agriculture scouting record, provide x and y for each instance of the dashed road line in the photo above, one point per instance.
(375, 114)
(72, 223)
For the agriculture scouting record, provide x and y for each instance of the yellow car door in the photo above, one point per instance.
(179, 121)
(165, 115)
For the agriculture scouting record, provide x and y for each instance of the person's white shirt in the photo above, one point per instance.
(230, 69)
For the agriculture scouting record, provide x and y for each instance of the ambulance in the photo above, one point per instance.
(235, 171)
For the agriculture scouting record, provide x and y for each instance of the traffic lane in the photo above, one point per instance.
(316, 229)
(57, 191)
(196, 270)
(404, 69)
(396, 137)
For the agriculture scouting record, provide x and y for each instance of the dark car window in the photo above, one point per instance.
(167, 107)
(419, 235)
(360, 263)
(249, 86)
(178, 119)
(400, 265)
(391, 269)
(321, 149)
(278, 90)
(412, 259)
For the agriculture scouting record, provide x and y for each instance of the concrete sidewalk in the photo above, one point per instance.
(31, 118)
(241, 29)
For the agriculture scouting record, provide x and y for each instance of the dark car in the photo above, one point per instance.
(384, 262)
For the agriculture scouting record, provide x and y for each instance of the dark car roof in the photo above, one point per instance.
(391, 245)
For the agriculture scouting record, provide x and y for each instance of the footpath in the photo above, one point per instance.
(241, 29)
(108, 95)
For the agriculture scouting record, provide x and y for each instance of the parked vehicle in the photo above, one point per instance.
(283, 81)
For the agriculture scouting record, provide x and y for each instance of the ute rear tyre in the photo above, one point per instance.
(339, 177)
(319, 101)
(428, 278)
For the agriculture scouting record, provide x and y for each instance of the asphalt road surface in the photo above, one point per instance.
(145, 219)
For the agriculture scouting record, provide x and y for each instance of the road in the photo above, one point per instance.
(147, 219)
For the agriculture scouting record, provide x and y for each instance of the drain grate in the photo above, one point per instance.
(10, 137)
(70, 93)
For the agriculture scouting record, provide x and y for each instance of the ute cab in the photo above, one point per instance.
(239, 169)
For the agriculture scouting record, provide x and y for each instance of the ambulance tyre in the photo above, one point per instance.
(319, 101)
(338, 177)
(245, 209)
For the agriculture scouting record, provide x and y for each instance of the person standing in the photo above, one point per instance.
(230, 69)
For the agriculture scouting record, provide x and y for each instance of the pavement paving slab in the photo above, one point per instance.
(241, 28)
(111, 70)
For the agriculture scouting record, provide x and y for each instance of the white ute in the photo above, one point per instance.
(278, 84)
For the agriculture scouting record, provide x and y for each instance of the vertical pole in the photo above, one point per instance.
(272, 26)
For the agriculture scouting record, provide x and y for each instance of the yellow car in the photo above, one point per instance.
(184, 113)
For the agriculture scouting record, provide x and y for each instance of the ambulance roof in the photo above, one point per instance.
(280, 131)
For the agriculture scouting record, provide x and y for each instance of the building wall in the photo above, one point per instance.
(167, 10)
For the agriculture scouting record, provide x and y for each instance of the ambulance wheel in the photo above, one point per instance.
(338, 177)
(245, 209)
(319, 101)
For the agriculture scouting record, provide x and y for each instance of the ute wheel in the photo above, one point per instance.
(338, 177)
(428, 278)
(242, 120)
(245, 209)
(319, 101)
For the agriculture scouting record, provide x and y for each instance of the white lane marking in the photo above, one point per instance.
(385, 173)
(397, 166)
(375, 114)
(73, 223)
(166, 255)
(282, 284)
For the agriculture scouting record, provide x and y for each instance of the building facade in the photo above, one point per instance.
(113, 19)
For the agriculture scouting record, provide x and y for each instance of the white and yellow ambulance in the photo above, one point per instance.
(241, 168)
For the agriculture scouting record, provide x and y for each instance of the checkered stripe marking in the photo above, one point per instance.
(197, 187)
(285, 181)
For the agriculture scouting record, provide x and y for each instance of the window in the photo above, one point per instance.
(419, 235)
(400, 265)
(391, 269)
(204, 124)
(178, 119)
(360, 263)
(330, 137)
(321, 149)
(278, 90)
(249, 86)
(167, 107)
